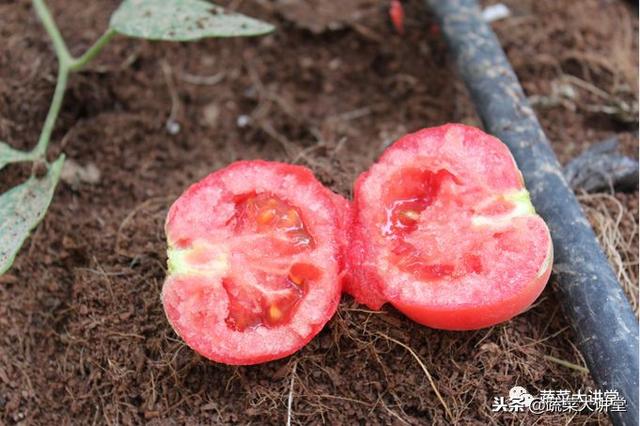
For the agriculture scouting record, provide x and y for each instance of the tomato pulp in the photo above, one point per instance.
(444, 230)
(255, 261)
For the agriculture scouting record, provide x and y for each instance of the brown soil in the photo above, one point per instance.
(84, 336)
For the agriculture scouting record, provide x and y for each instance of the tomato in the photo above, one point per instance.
(255, 261)
(443, 229)
(396, 13)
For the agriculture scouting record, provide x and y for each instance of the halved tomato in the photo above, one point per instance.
(444, 230)
(255, 261)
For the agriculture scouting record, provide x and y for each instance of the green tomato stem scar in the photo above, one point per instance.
(523, 207)
(200, 258)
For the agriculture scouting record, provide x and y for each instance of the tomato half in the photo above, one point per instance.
(255, 261)
(445, 231)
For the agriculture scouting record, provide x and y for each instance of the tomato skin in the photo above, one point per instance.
(208, 259)
(239, 355)
(467, 285)
(359, 269)
(461, 318)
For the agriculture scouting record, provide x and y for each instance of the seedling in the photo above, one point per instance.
(24, 206)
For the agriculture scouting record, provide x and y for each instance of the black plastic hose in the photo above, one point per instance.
(591, 296)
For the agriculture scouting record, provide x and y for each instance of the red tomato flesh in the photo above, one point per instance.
(444, 230)
(255, 261)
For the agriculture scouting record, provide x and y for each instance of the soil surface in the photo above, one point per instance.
(84, 339)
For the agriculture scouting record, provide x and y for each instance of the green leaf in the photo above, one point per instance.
(182, 20)
(22, 208)
(11, 155)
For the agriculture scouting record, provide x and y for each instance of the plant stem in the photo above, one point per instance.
(66, 65)
(61, 85)
(566, 363)
(78, 63)
(52, 29)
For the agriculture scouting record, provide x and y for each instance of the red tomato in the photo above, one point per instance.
(396, 13)
(255, 262)
(444, 230)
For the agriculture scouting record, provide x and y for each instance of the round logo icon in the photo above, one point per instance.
(519, 395)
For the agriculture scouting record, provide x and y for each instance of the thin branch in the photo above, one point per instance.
(202, 80)
(50, 26)
(172, 125)
(78, 63)
(424, 368)
(567, 364)
(290, 399)
(52, 115)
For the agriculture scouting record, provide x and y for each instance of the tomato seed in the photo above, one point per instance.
(266, 216)
(274, 313)
(409, 216)
(297, 280)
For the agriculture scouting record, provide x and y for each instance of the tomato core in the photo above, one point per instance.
(269, 292)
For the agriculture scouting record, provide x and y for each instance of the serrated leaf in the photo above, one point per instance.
(22, 208)
(11, 155)
(182, 20)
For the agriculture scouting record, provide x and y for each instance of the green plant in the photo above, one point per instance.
(24, 206)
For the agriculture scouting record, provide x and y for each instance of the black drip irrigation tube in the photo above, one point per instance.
(591, 296)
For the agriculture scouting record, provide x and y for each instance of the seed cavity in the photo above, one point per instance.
(271, 288)
(413, 191)
(267, 214)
